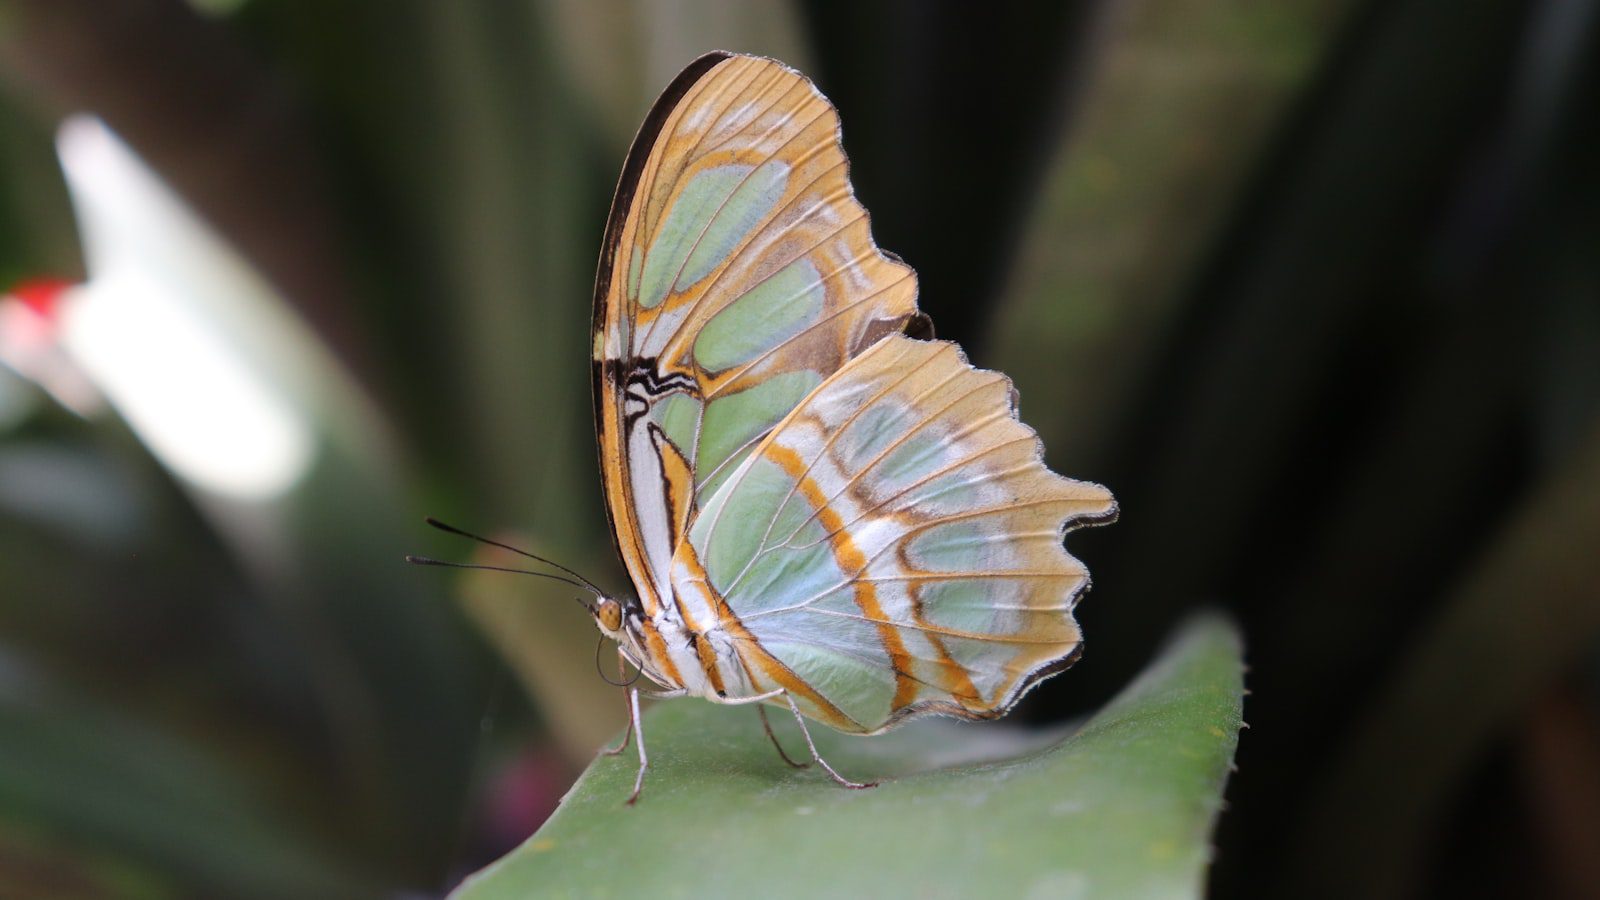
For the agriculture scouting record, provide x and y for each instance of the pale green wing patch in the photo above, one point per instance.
(733, 423)
(678, 415)
(740, 521)
(772, 312)
(733, 529)
(749, 204)
(635, 271)
(665, 257)
(843, 661)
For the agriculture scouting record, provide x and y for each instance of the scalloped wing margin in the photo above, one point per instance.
(896, 542)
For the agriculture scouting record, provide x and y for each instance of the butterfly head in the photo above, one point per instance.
(608, 615)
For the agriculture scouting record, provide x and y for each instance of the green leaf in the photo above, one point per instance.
(1122, 807)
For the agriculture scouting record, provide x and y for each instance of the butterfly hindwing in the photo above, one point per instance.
(738, 273)
(895, 545)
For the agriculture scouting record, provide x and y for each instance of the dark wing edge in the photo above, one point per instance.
(622, 199)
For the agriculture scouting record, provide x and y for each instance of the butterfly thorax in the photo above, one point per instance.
(679, 654)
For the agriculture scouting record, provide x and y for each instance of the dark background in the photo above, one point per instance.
(1312, 285)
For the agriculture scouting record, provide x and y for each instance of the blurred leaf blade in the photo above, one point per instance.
(1121, 808)
(98, 780)
(952, 206)
(551, 646)
(1524, 616)
(619, 54)
(312, 510)
(1186, 97)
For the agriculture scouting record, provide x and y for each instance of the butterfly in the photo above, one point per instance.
(821, 508)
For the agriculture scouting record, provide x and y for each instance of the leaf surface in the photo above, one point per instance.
(1121, 807)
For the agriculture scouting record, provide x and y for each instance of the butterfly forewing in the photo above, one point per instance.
(739, 272)
(894, 546)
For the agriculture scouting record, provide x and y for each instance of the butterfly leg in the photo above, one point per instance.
(839, 779)
(767, 727)
(622, 669)
(664, 695)
(638, 731)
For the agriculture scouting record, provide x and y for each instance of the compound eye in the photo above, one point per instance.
(609, 614)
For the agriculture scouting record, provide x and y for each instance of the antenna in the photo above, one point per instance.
(451, 529)
(429, 561)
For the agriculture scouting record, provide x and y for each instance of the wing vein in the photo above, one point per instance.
(856, 476)
(912, 626)
(852, 578)
(672, 285)
(737, 478)
(698, 314)
(931, 476)
(843, 310)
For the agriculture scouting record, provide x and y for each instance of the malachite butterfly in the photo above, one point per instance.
(821, 508)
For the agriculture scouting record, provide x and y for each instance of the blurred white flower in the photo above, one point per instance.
(183, 337)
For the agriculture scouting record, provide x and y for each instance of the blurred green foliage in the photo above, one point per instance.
(1311, 284)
